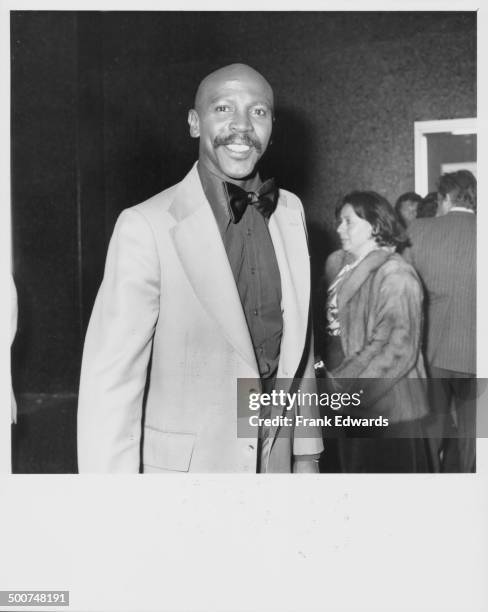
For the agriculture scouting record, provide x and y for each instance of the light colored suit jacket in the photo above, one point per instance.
(169, 294)
(443, 252)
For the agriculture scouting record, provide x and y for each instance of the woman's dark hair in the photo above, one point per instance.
(461, 186)
(380, 214)
(428, 206)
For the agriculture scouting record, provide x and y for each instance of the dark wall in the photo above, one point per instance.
(99, 123)
(348, 89)
(44, 194)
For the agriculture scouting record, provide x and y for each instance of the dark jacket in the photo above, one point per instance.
(444, 254)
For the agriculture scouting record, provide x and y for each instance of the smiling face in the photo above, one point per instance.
(356, 234)
(233, 117)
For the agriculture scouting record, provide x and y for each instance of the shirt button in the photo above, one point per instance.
(249, 232)
(255, 312)
(253, 270)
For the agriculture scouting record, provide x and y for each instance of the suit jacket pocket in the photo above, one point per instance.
(167, 450)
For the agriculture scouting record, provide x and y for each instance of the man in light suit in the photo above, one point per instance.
(208, 282)
(444, 253)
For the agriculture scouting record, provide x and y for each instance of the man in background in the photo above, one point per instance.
(444, 253)
(209, 282)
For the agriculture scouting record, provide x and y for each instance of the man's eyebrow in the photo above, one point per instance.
(222, 98)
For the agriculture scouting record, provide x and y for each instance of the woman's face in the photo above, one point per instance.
(355, 233)
(408, 211)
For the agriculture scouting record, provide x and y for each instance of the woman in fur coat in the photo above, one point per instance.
(373, 333)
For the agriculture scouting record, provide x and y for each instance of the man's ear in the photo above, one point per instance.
(447, 203)
(194, 123)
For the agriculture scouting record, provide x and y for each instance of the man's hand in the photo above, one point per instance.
(306, 466)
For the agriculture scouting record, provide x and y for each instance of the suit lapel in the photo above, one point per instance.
(202, 254)
(286, 229)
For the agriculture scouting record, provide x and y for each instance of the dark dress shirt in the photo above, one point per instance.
(253, 262)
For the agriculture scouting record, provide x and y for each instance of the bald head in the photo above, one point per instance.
(233, 73)
(233, 118)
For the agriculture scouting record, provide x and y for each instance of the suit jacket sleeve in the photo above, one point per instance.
(117, 350)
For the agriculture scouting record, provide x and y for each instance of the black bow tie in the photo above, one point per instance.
(264, 199)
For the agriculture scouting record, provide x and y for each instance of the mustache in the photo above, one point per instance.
(243, 139)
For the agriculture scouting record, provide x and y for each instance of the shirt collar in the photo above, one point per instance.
(461, 209)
